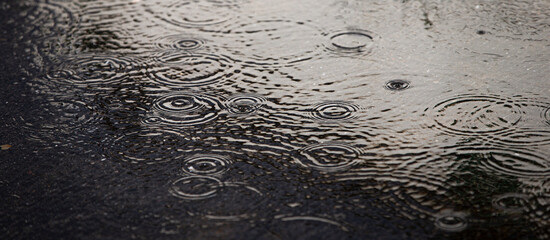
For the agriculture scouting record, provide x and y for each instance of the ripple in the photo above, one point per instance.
(451, 221)
(244, 105)
(184, 110)
(195, 14)
(329, 157)
(334, 111)
(195, 187)
(272, 42)
(517, 163)
(235, 201)
(146, 146)
(476, 114)
(354, 41)
(92, 70)
(210, 165)
(180, 69)
(397, 85)
(180, 42)
(510, 202)
(546, 116)
(47, 19)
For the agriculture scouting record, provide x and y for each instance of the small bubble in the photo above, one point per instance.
(481, 32)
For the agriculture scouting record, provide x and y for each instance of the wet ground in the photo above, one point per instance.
(241, 119)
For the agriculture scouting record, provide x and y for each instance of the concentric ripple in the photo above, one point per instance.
(451, 221)
(195, 13)
(272, 42)
(517, 163)
(397, 85)
(90, 70)
(334, 111)
(476, 114)
(353, 41)
(209, 165)
(244, 105)
(546, 115)
(147, 146)
(184, 109)
(328, 157)
(510, 202)
(180, 42)
(180, 69)
(195, 187)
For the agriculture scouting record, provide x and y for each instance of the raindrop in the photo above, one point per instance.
(328, 157)
(451, 221)
(210, 165)
(244, 105)
(397, 85)
(192, 13)
(195, 187)
(181, 69)
(476, 114)
(334, 111)
(184, 110)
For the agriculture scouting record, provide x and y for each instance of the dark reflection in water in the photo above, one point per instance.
(236, 119)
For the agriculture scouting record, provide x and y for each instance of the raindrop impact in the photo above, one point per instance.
(183, 69)
(329, 157)
(397, 85)
(180, 42)
(206, 165)
(195, 187)
(244, 105)
(334, 111)
(476, 114)
(355, 41)
(510, 202)
(184, 110)
(451, 221)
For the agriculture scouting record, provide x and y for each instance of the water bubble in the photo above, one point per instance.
(244, 105)
(184, 110)
(476, 114)
(451, 221)
(180, 42)
(210, 165)
(329, 157)
(510, 202)
(146, 146)
(195, 187)
(334, 111)
(354, 41)
(397, 85)
(181, 69)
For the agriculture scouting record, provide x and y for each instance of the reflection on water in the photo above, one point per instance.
(236, 119)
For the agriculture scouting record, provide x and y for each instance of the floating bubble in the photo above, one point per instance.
(329, 157)
(397, 85)
(195, 187)
(476, 114)
(244, 105)
(334, 111)
(181, 69)
(210, 165)
(451, 221)
(147, 146)
(510, 202)
(184, 110)
(354, 41)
